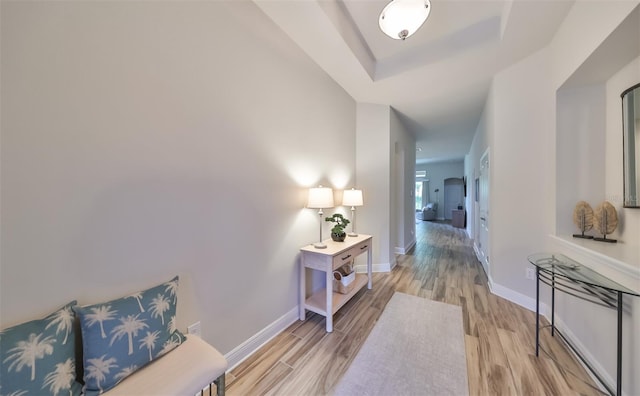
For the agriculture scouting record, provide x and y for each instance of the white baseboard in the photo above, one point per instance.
(481, 260)
(511, 295)
(530, 304)
(386, 267)
(404, 250)
(244, 350)
(476, 250)
(568, 334)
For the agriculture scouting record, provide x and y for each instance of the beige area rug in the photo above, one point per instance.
(415, 348)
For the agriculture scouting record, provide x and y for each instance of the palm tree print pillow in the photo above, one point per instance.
(121, 336)
(38, 357)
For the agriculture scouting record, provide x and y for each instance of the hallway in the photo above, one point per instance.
(499, 335)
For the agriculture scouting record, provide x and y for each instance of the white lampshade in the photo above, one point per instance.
(402, 18)
(320, 198)
(352, 197)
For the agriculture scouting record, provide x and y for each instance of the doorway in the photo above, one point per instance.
(453, 196)
(483, 212)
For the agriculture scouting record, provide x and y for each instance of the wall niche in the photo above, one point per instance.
(589, 142)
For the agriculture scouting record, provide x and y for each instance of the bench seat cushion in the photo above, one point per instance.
(184, 371)
(38, 357)
(123, 335)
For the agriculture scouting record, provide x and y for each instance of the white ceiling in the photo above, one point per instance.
(438, 79)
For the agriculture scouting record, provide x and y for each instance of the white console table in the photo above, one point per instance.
(326, 302)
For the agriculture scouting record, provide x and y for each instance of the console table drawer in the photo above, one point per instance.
(349, 255)
(344, 258)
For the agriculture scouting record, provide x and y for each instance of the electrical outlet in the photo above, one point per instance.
(195, 329)
(529, 273)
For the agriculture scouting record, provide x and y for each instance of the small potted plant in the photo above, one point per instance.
(337, 232)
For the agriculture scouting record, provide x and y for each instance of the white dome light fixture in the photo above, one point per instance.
(402, 18)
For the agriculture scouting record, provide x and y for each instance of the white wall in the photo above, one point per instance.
(479, 146)
(629, 228)
(552, 143)
(586, 26)
(580, 174)
(142, 140)
(436, 173)
(403, 185)
(373, 164)
(600, 123)
(589, 90)
(522, 145)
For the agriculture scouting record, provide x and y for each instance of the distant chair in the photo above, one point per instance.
(429, 212)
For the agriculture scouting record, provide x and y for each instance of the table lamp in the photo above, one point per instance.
(352, 198)
(320, 198)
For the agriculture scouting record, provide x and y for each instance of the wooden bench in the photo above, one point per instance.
(185, 371)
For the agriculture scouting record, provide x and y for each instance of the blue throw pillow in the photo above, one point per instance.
(121, 336)
(38, 357)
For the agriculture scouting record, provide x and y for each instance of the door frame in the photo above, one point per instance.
(456, 183)
(483, 250)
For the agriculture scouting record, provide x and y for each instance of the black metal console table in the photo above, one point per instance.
(562, 273)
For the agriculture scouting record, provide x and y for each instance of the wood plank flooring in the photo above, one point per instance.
(499, 335)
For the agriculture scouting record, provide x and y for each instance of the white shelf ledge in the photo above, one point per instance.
(621, 256)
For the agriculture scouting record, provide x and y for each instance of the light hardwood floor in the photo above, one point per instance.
(499, 335)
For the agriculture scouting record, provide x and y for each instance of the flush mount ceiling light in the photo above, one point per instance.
(402, 18)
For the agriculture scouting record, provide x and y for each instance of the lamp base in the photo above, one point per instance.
(319, 245)
(352, 234)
